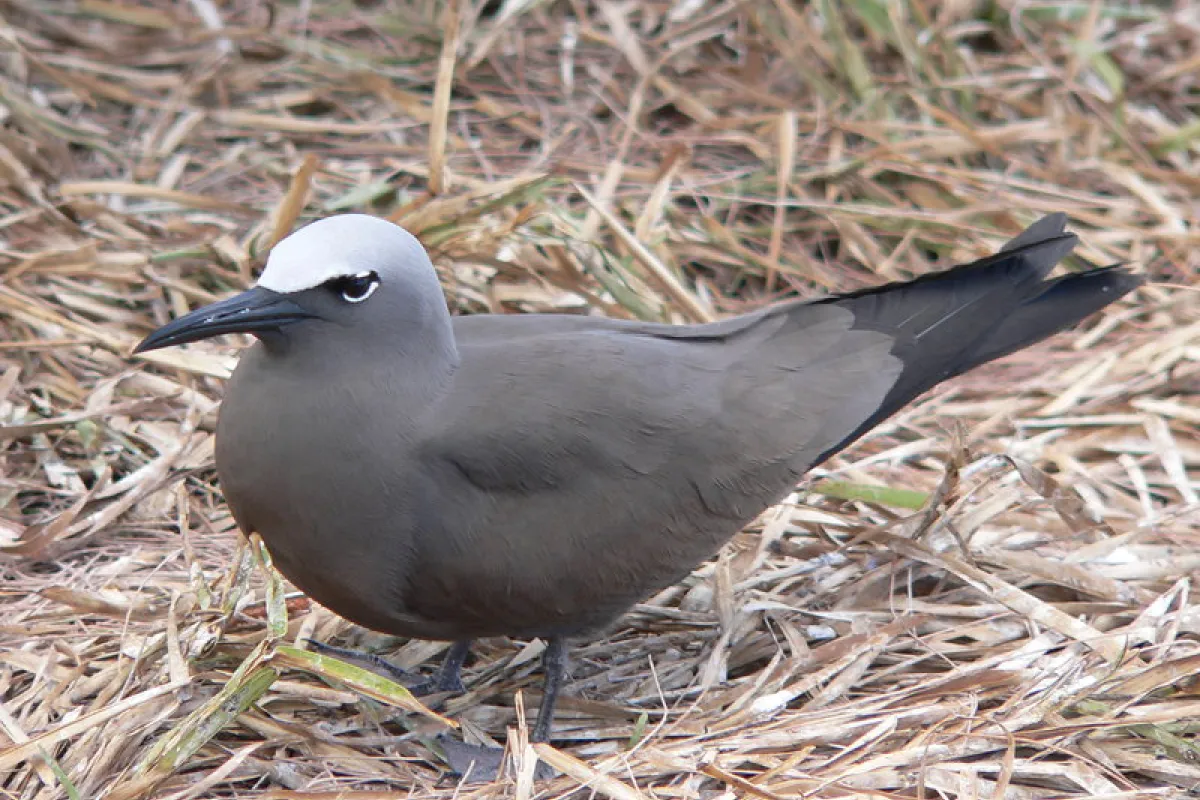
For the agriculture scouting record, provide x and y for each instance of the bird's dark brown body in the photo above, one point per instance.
(537, 475)
(598, 462)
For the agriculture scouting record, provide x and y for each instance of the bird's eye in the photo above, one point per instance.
(355, 288)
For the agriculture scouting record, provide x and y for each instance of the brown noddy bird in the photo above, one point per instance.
(536, 475)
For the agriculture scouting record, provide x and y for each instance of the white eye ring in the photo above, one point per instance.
(353, 282)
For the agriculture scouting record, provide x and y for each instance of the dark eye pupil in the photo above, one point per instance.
(354, 287)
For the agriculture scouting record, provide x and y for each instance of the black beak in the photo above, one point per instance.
(249, 312)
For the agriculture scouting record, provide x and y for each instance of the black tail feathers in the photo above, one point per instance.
(949, 322)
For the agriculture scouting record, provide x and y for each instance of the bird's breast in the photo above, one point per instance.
(328, 490)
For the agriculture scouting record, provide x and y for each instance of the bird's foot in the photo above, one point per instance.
(447, 679)
(438, 683)
(372, 661)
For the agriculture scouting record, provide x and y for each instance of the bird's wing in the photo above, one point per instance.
(584, 464)
(571, 463)
(538, 410)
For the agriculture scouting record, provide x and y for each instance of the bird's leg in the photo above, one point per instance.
(484, 763)
(554, 665)
(448, 678)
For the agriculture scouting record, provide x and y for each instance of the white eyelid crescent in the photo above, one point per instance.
(371, 287)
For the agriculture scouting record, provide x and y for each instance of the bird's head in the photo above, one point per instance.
(351, 272)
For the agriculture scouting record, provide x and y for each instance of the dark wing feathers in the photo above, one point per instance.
(617, 435)
(621, 441)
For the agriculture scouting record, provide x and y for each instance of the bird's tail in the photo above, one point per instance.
(949, 322)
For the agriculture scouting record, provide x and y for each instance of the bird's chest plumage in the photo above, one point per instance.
(299, 473)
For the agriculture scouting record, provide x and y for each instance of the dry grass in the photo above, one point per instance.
(1031, 632)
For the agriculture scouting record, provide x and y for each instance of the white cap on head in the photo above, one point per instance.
(336, 247)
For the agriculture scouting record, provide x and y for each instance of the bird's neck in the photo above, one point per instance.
(425, 363)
